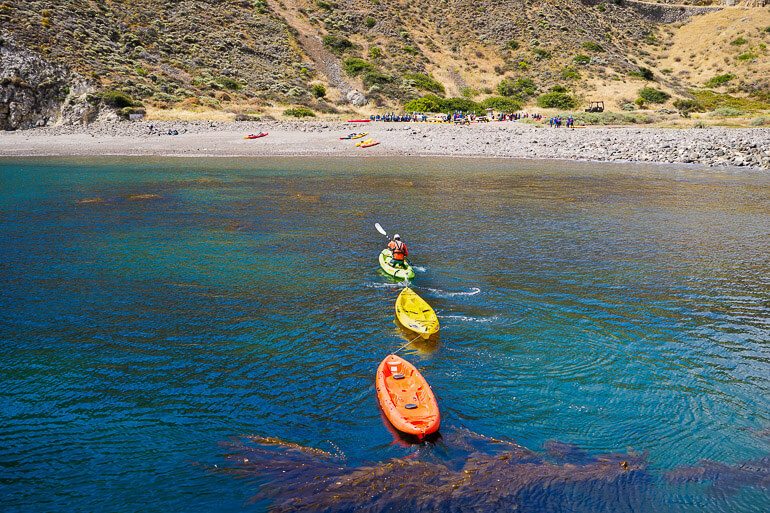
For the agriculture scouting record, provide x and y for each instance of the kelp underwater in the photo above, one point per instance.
(463, 471)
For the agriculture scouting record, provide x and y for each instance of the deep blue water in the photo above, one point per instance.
(153, 310)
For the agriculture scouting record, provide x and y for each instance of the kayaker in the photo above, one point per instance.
(398, 252)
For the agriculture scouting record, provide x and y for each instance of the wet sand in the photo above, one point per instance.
(741, 147)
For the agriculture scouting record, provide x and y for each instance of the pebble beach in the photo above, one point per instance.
(712, 147)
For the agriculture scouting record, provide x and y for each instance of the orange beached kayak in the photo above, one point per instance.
(406, 398)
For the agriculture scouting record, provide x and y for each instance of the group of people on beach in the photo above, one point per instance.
(515, 116)
(557, 121)
(454, 117)
(152, 130)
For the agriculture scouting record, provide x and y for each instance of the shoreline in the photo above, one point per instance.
(713, 147)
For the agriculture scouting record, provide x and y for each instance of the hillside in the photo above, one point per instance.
(221, 59)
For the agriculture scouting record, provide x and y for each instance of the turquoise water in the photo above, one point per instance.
(154, 311)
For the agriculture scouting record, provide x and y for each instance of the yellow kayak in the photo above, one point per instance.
(364, 142)
(358, 136)
(414, 313)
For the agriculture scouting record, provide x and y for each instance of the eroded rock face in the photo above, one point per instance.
(35, 93)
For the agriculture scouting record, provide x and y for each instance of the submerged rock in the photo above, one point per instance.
(491, 475)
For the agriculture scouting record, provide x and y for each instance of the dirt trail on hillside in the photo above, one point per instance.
(325, 62)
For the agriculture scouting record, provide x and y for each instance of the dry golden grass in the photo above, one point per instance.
(187, 114)
(701, 49)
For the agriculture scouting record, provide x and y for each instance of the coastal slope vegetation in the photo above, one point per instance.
(256, 58)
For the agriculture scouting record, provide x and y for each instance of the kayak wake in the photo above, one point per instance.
(445, 293)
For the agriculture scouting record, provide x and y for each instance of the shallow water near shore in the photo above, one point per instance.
(155, 310)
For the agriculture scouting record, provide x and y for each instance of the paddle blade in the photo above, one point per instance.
(380, 229)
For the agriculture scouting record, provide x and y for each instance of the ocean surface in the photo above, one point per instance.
(157, 316)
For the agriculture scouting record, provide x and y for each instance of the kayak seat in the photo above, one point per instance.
(398, 376)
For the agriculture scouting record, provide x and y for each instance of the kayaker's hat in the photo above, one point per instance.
(397, 237)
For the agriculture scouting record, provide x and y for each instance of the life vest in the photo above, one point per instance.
(398, 249)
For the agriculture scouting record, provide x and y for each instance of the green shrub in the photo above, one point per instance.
(581, 59)
(592, 46)
(229, 83)
(355, 66)
(746, 57)
(556, 101)
(428, 103)
(425, 82)
(117, 99)
(712, 100)
(336, 44)
(541, 54)
(375, 53)
(688, 106)
(372, 78)
(639, 102)
(432, 103)
(370, 22)
(652, 95)
(299, 112)
(523, 87)
(462, 105)
(260, 6)
(739, 41)
(720, 80)
(324, 5)
(700, 124)
(319, 91)
(501, 104)
(601, 8)
(514, 45)
(570, 73)
(760, 121)
(644, 73)
(410, 50)
(727, 112)
(558, 89)
(611, 118)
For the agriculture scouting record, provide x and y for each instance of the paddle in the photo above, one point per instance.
(381, 229)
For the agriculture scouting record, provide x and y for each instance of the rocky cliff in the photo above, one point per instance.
(34, 92)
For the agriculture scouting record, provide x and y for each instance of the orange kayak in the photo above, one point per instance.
(406, 398)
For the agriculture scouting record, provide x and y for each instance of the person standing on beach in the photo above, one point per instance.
(398, 252)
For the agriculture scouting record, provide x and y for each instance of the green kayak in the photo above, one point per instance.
(397, 272)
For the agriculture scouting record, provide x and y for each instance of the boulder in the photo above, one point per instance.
(357, 98)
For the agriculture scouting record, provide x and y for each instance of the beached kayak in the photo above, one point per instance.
(252, 136)
(358, 136)
(364, 142)
(397, 272)
(406, 398)
(415, 313)
(358, 120)
(373, 143)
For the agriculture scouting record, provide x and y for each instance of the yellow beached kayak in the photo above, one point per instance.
(414, 313)
(358, 136)
(364, 142)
